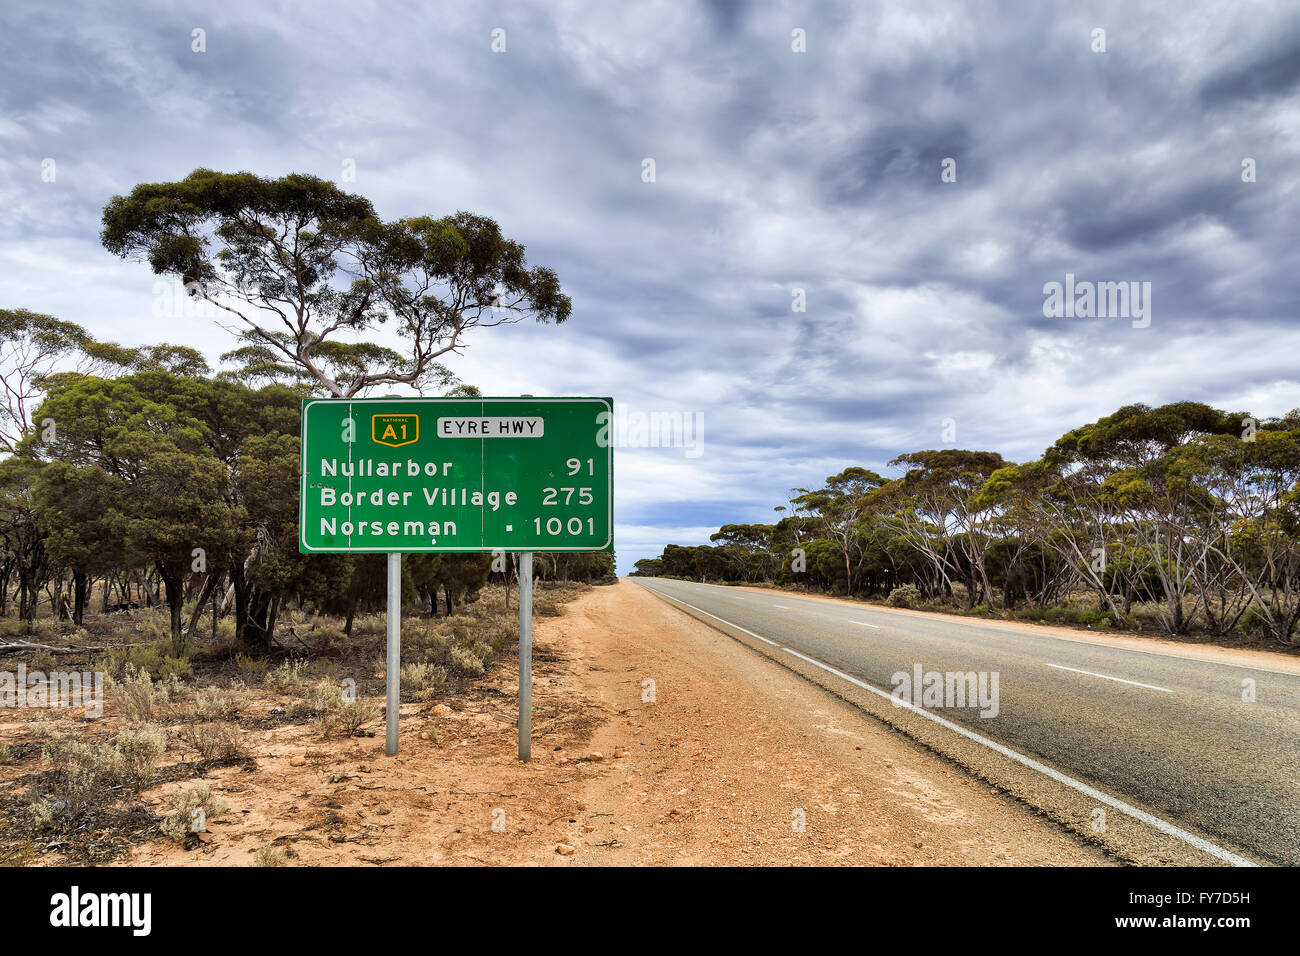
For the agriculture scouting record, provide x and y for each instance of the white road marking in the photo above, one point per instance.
(716, 618)
(1093, 793)
(865, 624)
(1164, 826)
(1062, 667)
(1006, 632)
(781, 606)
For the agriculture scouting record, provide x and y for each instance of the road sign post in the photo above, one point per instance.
(526, 656)
(456, 475)
(393, 668)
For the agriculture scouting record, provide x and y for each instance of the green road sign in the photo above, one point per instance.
(456, 474)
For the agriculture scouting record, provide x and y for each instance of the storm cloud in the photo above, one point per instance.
(779, 175)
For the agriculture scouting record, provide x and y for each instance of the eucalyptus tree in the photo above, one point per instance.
(841, 507)
(34, 347)
(311, 275)
(749, 548)
(935, 507)
(1247, 526)
(77, 508)
(22, 532)
(1119, 480)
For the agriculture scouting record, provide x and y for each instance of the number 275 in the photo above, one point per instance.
(551, 496)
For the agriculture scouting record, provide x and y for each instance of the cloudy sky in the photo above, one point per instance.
(775, 171)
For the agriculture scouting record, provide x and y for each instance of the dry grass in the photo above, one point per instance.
(68, 789)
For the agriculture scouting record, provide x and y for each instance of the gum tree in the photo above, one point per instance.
(34, 347)
(936, 508)
(842, 507)
(310, 275)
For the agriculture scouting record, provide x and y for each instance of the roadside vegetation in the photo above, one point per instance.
(78, 787)
(1182, 520)
(149, 504)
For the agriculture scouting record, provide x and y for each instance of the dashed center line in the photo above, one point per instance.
(865, 624)
(1120, 680)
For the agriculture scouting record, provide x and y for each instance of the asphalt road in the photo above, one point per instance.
(1167, 735)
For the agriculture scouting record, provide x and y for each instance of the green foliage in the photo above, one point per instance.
(154, 659)
(299, 245)
(1184, 516)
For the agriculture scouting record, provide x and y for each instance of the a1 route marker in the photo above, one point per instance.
(438, 475)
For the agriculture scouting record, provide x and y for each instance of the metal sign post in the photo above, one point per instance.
(394, 667)
(526, 655)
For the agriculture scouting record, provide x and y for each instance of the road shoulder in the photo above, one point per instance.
(738, 760)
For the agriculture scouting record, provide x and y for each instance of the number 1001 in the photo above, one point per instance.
(555, 526)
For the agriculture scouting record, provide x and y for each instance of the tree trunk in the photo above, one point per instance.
(174, 591)
(251, 608)
(209, 588)
(79, 597)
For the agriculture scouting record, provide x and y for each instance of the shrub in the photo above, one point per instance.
(47, 628)
(175, 668)
(466, 662)
(269, 856)
(42, 729)
(335, 714)
(290, 677)
(85, 774)
(154, 659)
(423, 681)
(1253, 621)
(348, 719)
(250, 666)
(189, 811)
(213, 741)
(139, 698)
(215, 703)
(225, 632)
(906, 595)
(328, 638)
(141, 748)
